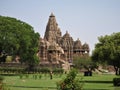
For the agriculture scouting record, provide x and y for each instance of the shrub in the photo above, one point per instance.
(1, 82)
(40, 76)
(35, 76)
(21, 76)
(58, 70)
(44, 70)
(116, 81)
(70, 82)
(27, 76)
(1, 78)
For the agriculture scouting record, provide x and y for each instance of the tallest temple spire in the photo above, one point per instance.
(52, 15)
(52, 32)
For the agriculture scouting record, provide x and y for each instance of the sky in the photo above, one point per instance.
(83, 19)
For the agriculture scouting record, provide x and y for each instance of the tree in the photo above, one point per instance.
(84, 62)
(107, 50)
(18, 38)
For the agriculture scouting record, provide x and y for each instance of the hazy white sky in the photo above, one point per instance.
(83, 19)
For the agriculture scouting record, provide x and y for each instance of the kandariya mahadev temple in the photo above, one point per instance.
(56, 48)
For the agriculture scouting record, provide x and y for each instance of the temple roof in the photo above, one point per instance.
(77, 44)
(53, 34)
(85, 46)
(52, 30)
(66, 35)
(66, 41)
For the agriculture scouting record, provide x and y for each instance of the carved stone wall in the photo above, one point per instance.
(53, 32)
(54, 47)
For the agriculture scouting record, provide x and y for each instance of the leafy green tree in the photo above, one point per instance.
(107, 50)
(84, 62)
(18, 38)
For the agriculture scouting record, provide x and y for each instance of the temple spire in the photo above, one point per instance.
(52, 15)
(52, 33)
(66, 32)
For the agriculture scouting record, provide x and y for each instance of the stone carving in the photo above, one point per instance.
(55, 48)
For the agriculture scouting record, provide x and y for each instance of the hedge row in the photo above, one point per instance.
(27, 70)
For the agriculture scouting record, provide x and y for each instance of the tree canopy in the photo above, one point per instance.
(18, 38)
(107, 50)
(81, 62)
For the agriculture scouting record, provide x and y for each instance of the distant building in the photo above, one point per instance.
(55, 48)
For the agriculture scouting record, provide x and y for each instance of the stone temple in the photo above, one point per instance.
(56, 48)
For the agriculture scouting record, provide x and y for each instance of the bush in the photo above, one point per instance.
(40, 76)
(116, 81)
(1, 82)
(35, 76)
(58, 70)
(70, 82)
(44, 70)
(1, 78)
(9, 70)
(21, 76)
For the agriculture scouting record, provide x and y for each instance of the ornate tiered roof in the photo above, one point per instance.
(52, 32)
(77, 45)
(86, 47)
(66, 41)
(57, 47)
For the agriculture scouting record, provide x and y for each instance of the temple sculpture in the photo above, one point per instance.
(57, 48)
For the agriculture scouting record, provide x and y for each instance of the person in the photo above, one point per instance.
(51, 75)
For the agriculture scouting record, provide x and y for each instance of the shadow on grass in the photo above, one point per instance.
(98, 81)
(31, 87)
(115, 88)
(9, 74)
(54, 88)
(95, 89)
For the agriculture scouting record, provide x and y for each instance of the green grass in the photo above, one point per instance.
(45, 83)
(96, 82)
(99, 82)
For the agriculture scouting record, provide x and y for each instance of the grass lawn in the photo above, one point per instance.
(27, 82)
(99, 82)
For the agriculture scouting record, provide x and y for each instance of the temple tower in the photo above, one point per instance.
(77, 48)
(57, 49)
(67, 44)
(52, 33)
